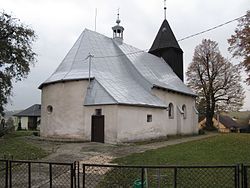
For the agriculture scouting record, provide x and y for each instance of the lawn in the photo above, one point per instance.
(219, 150)
(14, 144)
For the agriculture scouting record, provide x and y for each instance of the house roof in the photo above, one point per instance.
(228, 122)
(34, 110)
(165, 38)
(121, 74)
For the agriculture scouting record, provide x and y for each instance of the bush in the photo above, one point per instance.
(201, 132)
(36, 133)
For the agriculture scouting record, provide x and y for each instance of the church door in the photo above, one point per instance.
(97, 128)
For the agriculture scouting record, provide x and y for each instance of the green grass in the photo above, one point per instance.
(218, 150)
(14, 144)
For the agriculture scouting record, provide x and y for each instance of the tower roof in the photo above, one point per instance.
(165, 38)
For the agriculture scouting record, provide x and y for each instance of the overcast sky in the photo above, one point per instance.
(58, 23)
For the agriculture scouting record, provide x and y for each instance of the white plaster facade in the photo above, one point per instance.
(123, 123)
(24, 122)
(132, 88)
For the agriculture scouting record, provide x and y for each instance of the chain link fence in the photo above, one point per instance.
(106, 176)
(18, 174)
(246, 176)
(4, 173)
(35, 174)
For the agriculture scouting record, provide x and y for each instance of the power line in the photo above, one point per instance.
(130, 53)
(190, 36)
(210, 29)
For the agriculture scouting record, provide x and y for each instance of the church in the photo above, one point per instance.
(108, 91)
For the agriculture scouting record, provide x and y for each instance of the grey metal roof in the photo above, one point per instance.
(34, 110)
(122, 74)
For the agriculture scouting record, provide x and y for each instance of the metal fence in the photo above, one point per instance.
(246, 176)
(16, 174)
(46, 174)
(106, 176)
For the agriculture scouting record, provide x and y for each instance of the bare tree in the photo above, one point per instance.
(240, 43)
(215, 80)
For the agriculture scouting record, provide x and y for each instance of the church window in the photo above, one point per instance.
(98, 112)
(49, 109)
(149, 118)
(171, 110)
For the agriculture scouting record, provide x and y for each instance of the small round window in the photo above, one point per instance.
(49, 109)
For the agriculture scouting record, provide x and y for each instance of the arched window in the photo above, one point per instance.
(184, 109)
(171, 110)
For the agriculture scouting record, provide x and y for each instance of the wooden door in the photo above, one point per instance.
(97, 128)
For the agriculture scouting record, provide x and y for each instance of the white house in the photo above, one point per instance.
(108, 91)
(29, 118)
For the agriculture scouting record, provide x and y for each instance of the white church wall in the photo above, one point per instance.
(110, 121)
(187, 125)
(133, 125)
(66, 119)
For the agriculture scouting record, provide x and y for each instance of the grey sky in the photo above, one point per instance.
(58, 23)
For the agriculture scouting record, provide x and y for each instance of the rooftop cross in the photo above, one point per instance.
(165, 9)
(118, 19)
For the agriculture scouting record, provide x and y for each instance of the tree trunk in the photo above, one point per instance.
(209, 118)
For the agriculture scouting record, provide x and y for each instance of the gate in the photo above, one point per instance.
(97, 128)
(15, 174)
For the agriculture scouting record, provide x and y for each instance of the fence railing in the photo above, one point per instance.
(36, 174)
(14, 173)
(162, 176)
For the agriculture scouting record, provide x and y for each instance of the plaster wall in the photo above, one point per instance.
(110, 121)
(24, 122)
(133, 125)
(179, 124)
(67, 119)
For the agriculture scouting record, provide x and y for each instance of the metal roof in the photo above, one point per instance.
(34, 110)
(122, 74)
(165, 38)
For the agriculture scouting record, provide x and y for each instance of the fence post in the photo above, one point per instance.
(242, 175)
(6, 173)
(72, 175)
(10, 174)
(142, 177)
(83, 176)
(236, 176)
(75, 173)
(78, 173)
(175, 177)
(50, 175)
(29, 175)
(245, 176)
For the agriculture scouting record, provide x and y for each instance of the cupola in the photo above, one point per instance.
(118, 30)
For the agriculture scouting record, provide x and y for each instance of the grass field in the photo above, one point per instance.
(14, 145)
(218, 150)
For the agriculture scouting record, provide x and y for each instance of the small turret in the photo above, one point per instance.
(118, 30)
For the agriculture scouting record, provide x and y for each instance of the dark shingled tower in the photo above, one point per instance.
(166, 46)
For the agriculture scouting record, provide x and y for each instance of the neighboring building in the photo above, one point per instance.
(128, 95)
(30, 117)
(223, 124)
(9, 117)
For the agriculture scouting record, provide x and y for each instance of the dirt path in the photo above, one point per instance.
(90, 152)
